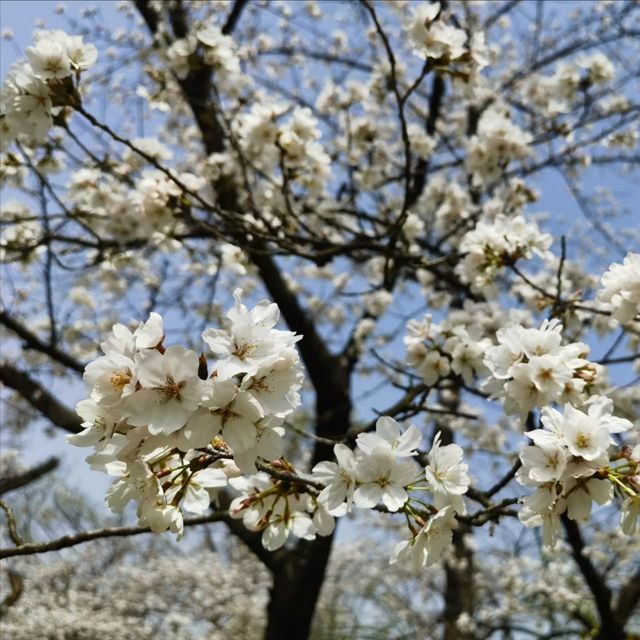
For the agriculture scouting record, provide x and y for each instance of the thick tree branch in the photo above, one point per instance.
(435, 102)
(32, 341)
(149, 15)
(299, 573)
(39, 398)
(234, 16)
(596, 583)
(12, 525)
(10, 483)
(628, 598)
(328, 373)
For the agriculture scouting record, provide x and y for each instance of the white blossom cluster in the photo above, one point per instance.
(531, 368)
(218, 52)
(142, 602)
(382, 469)
(145, 210)
(287, 143)
(169, 430)
(433, 38)
(26, 232)
(569, 465)
(556, 94)
(447, 478)
(497, 142)
(36, 90)
(380, 473)
(319, 165)
(493, 244)
(444, 203)
(435, 350)
(621, 288)
(279, 508)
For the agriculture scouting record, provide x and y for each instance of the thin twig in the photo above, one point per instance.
(12, 524)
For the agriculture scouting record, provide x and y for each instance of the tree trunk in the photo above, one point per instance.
(459, 573)
(614, 632)
(296, 586)
(300, 572)
(459, 586)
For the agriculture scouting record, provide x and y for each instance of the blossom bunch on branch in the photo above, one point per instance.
(170, 428)
(531, 368)
(573, 462)
(36, 91)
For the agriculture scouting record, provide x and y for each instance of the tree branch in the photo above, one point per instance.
(329, 375)
(32, 341)
(149, 15)
(435, 102)
(234, 16)
(12, 525)
(505, 480)
(26, 477)
(85, 536)
(16, 583)
(39, 398)
(628, 598)
(598, 587)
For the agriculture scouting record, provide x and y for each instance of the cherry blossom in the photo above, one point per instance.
(621, 288)
(446, 473)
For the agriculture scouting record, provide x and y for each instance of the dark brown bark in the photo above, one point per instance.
(459, 586)
(73, 539)
(39, 398)
(422, 167)
(611, 626)
(298, 573)
(10, 483)
(296, 586)
(459, 574)
(16, 586)
(628, 598)
(32, 341)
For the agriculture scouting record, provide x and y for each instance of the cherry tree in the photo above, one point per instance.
(290, 261)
